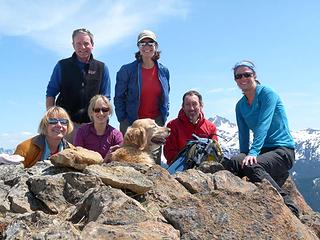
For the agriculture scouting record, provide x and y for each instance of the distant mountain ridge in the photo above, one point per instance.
(306, 170)
(307, 141)
(8, 151)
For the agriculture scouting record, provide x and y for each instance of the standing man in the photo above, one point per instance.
(190, 121)
(77, 79)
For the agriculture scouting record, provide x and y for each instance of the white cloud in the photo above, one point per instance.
(50, 23)
(10, 140)
(219, 90)
(26, 133)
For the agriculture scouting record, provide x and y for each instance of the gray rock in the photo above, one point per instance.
(259, 214)
(225, 180)
(142, 231)
(20, 199)
(4, 203)
(123, 177)
(76, 184)
(145, 202)
(109, 206)
(312, 220)
(38, 225)
(49, 190)
(195, 181)
(11, 174)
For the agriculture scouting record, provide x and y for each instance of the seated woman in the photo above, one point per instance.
(54, 126)
(98, 135)
(271, 154)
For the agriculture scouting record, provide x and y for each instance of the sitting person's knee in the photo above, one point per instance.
(254, 173)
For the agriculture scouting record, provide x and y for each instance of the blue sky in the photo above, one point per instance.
(200, 41)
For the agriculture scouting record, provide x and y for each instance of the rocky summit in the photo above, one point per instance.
(120, 201)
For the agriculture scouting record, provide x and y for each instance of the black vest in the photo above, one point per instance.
(78, 87)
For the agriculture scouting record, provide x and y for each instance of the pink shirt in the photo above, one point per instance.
(86, 136)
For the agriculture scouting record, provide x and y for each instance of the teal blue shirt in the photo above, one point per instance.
(47, 154)
(266, 118)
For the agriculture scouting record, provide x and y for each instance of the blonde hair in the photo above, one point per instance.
(93, 102)
(54, 112)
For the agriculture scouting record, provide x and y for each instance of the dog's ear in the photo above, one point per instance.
(136, 137)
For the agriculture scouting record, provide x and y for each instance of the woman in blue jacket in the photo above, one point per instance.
(271, 153)
(142, 87)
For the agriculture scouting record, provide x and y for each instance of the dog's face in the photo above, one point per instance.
(146, 135)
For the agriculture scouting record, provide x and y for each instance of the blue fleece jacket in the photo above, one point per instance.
(128, 90)
(266, 118)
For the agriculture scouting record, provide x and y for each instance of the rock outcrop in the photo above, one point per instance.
(120, 201)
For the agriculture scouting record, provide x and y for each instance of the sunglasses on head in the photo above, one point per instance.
(143, 44)
(62, 121)
(240, 75)
(103, 109)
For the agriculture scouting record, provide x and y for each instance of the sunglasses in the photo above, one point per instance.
(143, 44)
(103, 109)
(62, 121)
(240, 75)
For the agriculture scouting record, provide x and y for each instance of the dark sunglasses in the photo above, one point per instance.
(62, 121)
(240, 75)
(143, 44)
(97, 110)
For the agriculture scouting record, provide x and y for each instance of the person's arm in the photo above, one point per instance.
(117, 142)
(120, 95)
(170, 149)
(53, 87)
(168, 78)
(268, 101)
(50, 102)
(243, 132)
(79, 138)
(213, 132)
(106, 83)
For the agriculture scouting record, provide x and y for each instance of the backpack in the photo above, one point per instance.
(195, 152)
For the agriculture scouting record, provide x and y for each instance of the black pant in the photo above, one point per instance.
(275, 161)
(272, 164)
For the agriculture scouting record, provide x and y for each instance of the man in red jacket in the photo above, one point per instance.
(190, 120)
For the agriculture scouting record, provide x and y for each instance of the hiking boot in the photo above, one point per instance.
(290, 204)
(210, 167)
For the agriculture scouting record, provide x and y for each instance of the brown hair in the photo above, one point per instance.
(190, 93)
(155, 57)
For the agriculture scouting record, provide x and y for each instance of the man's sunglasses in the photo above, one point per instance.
(240, 75)
(143, 44)
(103, 109)
(62, 121)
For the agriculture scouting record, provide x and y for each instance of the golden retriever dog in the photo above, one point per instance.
(143, 137)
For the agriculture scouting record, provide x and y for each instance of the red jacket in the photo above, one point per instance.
(181, 132)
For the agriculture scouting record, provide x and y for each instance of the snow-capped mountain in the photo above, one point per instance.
(307, 144)
(307, 141)
(7, 151)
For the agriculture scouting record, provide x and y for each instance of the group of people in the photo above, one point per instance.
(80, 114)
